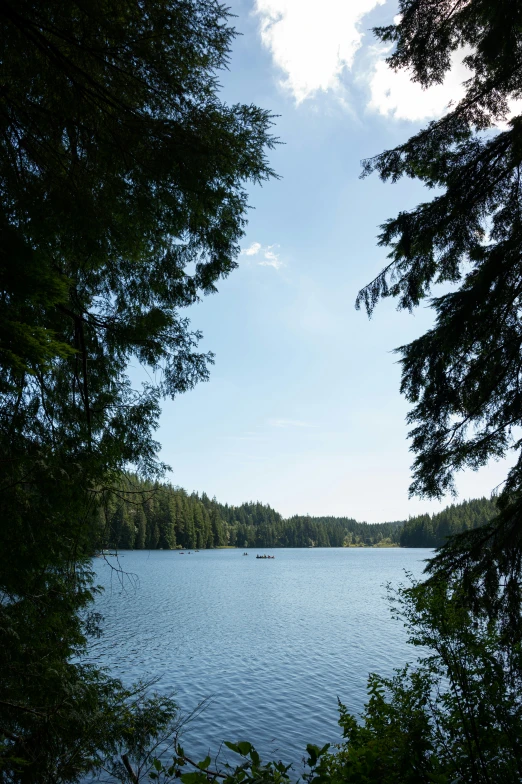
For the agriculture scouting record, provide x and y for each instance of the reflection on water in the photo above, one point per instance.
(273, 641)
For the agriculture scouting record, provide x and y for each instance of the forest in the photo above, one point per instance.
(433, 530)
(146, 515)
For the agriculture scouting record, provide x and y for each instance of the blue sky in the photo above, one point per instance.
(303, 409)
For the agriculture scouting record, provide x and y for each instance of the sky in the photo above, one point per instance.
(303, 410)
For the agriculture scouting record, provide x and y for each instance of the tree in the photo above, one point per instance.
(120, 168)
(122, 200)
(455, 716)
(462, 376)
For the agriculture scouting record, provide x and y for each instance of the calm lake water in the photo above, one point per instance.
(273, 642)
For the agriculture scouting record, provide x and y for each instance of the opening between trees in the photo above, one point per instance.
(123, 199)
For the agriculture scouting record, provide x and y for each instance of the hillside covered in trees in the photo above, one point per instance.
(152, 516)
(433, 530)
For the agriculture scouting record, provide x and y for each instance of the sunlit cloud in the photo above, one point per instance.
(253, 250)
(394, 94)
(267, 254)
(312, 45)
(317, 50)
(270, 258)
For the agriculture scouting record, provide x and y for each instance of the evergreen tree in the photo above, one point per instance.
(426, 531)
(127, 534)
(462, 376)
(122, 182)
(166, 518)
(140, 523)
(190, 528)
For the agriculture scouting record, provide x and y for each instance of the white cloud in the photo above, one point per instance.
(394, 94)
(253, 250)
(269, 257)
(312, 44)
(288, 423)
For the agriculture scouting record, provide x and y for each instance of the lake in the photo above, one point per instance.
(273, 642)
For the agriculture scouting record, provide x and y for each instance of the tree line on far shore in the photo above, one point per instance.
(155, 516)
(433, 530)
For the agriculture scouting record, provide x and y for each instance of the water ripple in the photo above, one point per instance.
(274, 642)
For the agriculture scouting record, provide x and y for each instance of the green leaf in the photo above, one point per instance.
(193, 778)
(204, 765)
(313, 754)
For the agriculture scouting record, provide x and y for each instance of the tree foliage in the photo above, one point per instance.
(453, 717)
(122, 182)
(434, 530)
(456, 716)
(123, 197)
(141, 514)
(463, 376)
